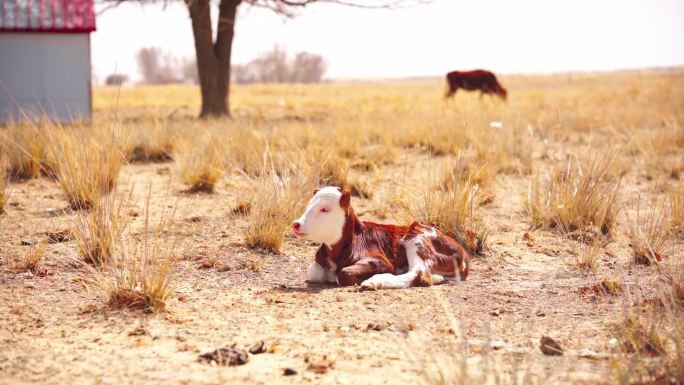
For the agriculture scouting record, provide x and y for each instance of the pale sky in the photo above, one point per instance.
(507, 36)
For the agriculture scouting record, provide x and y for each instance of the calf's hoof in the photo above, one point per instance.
(316, 273)
(371, 284)
(368, 287)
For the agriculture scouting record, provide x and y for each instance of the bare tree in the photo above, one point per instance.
(272, 66)
(275, 67)
(147, 63)
(189, 72)
(213, 55)
(155, 67)
(243, 74)
(307, 68)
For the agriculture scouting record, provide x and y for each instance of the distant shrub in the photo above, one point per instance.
(116, 79)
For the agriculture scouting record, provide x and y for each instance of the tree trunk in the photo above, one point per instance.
(213, 59)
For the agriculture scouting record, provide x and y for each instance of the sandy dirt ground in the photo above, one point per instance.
(54, 329)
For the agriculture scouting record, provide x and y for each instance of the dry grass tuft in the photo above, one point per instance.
(463, 170)
(275, 203)
(589, 257)
(255, 264)
(455, 212)
(610, 286)
(677, 213)
(335, 171)
(504, 151)
(374, 157)
(450, 363)
(140, 276)
(575, 199)
(676, 364)
(242, 208)
(26, 151)
(657, 145)
(99, 229)
(89, 164)
(655, 327)
(30, 260)
(649, 232)
(671, 295)
(4, 188)
(246, 150)
(447, 368)
(638, 335)
(201, 167)
(154, 144)
(673, 292)
(446, 141)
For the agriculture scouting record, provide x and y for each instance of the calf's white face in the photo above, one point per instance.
(323, 219)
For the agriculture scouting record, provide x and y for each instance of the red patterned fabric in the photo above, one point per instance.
(47, 16)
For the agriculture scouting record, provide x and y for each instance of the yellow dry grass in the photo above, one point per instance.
(88, 163)
(4, 187)
(575, 197)
(588, 257)
(649, 231)
(275, 202)
(201, 165)
(455, 211)
(139, 274)
(26, 151)
(28, 260)
(152, 141)
(640, 334)
(581, 143)
(97, 231)
(677, 212)
(309, 129)
(652, 325)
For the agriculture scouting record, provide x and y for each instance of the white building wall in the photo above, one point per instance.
(43, 73)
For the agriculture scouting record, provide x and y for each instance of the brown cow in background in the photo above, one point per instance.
(481, 80)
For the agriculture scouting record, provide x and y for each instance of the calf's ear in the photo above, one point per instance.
(345, 199)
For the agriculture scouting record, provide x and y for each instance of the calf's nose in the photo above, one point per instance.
(296, 225)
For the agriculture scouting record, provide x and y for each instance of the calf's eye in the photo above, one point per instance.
(325, 210)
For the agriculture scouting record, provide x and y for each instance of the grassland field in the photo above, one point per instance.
(132, 244)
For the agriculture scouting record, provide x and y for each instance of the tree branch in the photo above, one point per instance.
(359, 4)
(287, 7)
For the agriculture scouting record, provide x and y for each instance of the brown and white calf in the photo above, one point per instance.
(373, 255)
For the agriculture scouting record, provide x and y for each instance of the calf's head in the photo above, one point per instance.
(325, 216)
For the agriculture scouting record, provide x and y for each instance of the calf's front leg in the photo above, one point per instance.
(319, 274)
(390, 281)
(321, 270)
(361, 271)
